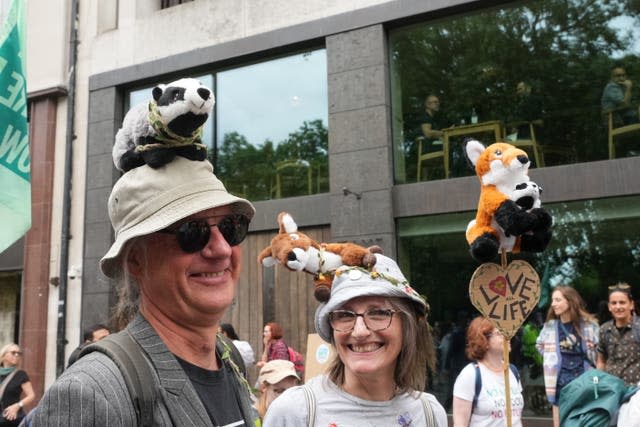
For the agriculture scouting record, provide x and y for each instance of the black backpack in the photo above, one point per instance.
(137, 371)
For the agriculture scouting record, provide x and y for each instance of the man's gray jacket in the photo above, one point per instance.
(93, 392)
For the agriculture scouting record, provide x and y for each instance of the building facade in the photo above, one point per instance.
(360, 71)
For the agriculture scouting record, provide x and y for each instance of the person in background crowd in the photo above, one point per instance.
(274, 378)
(274, 345)
(567, 343)
(243, 347)
(619, 346)
(431, 124)
(486, 409)
(528, 109)
(453, 357)
(617, 97)
(531, 357)
(377, 324)
(92, 334)
(603, 314)
(15, 384)
(176, 259)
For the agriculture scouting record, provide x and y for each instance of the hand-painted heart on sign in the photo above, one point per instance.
(505, 296)
(499, 285)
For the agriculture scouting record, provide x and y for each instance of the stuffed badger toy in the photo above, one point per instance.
(509, 215)
(298, 252)
(170, 124)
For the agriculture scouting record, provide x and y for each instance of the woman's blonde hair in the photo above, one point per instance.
(261, 406)
(5, 349)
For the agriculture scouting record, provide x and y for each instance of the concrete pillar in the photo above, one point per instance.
(360, 155)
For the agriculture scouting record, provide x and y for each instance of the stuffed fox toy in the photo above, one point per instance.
(298, 252)
(502, 223)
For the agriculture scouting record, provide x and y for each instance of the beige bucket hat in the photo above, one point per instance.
(276, 370)
(146, 200)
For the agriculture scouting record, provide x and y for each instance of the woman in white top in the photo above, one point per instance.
(377, 325)
(486, 408)
(243, 347)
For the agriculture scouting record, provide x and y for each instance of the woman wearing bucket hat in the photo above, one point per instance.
(177, 261)
(377, 324)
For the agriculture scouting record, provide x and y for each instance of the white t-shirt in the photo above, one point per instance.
(336, 408)
(490, 410)
(246, 352)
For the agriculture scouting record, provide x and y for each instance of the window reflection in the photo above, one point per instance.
(594, 245)
(539, 69)
(271, 132)
(272, 127)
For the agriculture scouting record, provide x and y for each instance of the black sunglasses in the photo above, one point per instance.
(194, 235)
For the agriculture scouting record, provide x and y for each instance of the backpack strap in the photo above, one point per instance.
(310, 400)
(6, 382)
(428, 411)
(478, 387)
(139, 376)
(515, 371)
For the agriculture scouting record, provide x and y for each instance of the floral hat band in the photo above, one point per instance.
(356, 273)
(384, 279)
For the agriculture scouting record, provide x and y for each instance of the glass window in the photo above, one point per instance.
(543, 75)
(272, 127)
(594, 245)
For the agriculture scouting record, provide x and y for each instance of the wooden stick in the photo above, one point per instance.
(507, 388)
(505, 357)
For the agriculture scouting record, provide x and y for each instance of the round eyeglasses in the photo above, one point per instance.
(194, 235)
(375, 319)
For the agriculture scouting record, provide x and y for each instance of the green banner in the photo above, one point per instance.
(15, 164)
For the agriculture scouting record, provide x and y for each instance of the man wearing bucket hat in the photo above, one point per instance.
(377, 324)
(177, 261)
(274, 378)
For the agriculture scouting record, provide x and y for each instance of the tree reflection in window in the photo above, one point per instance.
(271, 127)
(475, 61)
(252, 170)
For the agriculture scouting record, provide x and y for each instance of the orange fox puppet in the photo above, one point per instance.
(298, 252)
(501, 220)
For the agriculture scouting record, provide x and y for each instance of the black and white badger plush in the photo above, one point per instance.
(170, 125)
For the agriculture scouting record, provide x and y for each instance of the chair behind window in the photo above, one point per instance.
(614, 131)
(424, 157)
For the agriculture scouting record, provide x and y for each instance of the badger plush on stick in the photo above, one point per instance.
(169, 125)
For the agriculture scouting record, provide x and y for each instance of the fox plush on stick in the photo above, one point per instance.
(509, 218)
(298, 252)
(501, 220)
